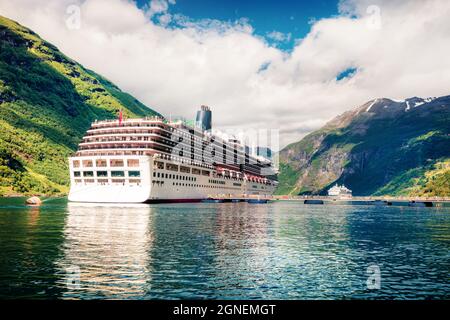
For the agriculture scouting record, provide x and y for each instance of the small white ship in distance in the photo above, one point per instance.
(156, 160)
(340, 192)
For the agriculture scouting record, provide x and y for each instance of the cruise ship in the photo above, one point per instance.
(340, 191)
(156, 160)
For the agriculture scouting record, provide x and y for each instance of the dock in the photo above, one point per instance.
(327, 200)
(376, 201)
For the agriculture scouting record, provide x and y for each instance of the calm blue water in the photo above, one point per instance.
(227, 251)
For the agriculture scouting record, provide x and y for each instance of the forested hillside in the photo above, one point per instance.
(47, 102)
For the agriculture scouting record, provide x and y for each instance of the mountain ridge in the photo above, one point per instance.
(370, 147)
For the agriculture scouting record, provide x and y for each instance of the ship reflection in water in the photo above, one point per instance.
(224, 251)
(106, 248)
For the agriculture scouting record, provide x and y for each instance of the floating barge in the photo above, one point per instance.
(237, 200)
(313, 201)
(372, 201)
(360, 201)
(258, 201)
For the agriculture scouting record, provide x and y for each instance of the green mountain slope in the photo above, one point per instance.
(381, 148)
(47, 102)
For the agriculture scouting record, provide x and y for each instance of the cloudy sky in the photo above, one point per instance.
(257, 64)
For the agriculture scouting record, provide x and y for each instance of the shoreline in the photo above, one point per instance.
(282, 197)
(315, 200)
(9, 196)
(363, 198)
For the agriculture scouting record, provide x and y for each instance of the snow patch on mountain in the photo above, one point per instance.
(371, 105)
(407, 105)
(417, 102)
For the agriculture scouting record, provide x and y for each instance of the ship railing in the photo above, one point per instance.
(102, 123)
(182, 160)
(152, 118)
(164, 132)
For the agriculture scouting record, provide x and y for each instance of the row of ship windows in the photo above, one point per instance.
(178, 132)
(197, 143)
(105, 173)
(216, 181)
(179, 184)
(187, 178)
(160, 183)
(104, 163)
(184, 169)
(135, 162)
(123, 126)
(173, 176)
(202, 186)
(107, 181)
(181, 134)
(199, 164)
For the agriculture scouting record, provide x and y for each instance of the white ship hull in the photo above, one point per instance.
(137, 179)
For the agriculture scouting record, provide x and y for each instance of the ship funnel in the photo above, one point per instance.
(204, 118)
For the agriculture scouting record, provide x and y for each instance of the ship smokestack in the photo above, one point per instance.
(204, 118)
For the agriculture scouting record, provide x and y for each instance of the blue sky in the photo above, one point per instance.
(265, 16)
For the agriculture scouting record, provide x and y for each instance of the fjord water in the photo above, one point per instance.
(281, 250)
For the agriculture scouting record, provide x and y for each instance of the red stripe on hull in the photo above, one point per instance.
(173, 200)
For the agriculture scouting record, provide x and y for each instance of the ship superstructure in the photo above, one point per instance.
(152, 159)
(340, 191)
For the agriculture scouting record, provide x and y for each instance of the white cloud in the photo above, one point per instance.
(401, 50)
(279, 36)
(165, 19)
(158, 6)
